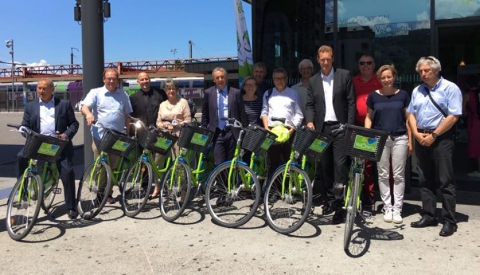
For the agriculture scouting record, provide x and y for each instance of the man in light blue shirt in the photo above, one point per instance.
(110, 106)
(433, 129)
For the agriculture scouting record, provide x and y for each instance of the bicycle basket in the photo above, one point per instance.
(116, 143)
(310, 142)
(364, 143)
(257, 139)
(194, 137)
(43, 147)
(157, 141)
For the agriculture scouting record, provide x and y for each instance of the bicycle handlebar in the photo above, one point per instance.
(232, 122)
(339, 128)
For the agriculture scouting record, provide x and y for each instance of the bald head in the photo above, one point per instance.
(144, 81)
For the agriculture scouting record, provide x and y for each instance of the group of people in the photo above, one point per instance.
(321, 101)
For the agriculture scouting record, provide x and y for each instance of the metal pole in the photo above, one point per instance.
(71, 60)
(190, 43)
(13, 78)
(92, 57)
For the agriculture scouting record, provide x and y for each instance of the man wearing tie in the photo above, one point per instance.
(330, 102)
(47, 116)
(222, 101)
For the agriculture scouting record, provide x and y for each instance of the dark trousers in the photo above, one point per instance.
(278, 154)
(224, 146)
(435, 169)
(67, 175)
(333, 167)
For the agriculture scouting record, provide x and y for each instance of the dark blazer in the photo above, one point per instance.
(65, 121)
(236, 109)
(343, 99)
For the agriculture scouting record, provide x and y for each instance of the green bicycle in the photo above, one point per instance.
(98, 178)
(360, 143)
(33, 190)
(144, 172)
(288, 194)
(233, 189)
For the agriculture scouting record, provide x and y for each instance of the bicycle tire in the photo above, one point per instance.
(286, 213)
(175, 191)
(91, 196)
(18, 221)
(49, 191)
(351, 211)
(244, 201)
(136, 188)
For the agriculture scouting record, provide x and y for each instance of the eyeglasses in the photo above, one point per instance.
(170, 89)
(279, 78)
(306, 68)
(111, 79)
(250, 85)
(365, 62)
(431, 58)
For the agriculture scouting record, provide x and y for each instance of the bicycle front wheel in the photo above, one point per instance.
(136, 188)
(175, 191)
(351, 210)
(50, 189)
(286, 210)
(234, 204)
(23, 206)
(93, 189)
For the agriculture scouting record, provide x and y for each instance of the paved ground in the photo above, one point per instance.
(116, 244)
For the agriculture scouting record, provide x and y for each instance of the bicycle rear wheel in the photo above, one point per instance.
(23, 206)
(175, 191)
(234, 207)
(136, 188)
(287, 211)
(351, 211)
(93, 189)
(50, 189)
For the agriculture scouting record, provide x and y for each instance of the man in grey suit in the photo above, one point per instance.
(222, 101)
(330, 102)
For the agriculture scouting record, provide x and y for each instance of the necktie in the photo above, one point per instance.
(221, 107)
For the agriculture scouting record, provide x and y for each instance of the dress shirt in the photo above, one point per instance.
(445, 93)
(222, 103)
(328, 90)
(282, 105)
(47, 117)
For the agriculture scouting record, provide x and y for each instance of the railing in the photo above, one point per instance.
(124, 68)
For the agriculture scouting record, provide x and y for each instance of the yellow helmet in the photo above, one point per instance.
(283, 134)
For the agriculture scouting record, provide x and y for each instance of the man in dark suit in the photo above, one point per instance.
(331, 101)
(222, 101)
(47, 116)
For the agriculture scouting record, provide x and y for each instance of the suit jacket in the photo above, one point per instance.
(65, 121)
(236, 109)
(343, 99)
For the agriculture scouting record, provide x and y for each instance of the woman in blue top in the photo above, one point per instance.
(387, 112)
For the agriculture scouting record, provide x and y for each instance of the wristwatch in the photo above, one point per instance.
(435, 135)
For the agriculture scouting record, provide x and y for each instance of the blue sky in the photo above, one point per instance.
(44, 30)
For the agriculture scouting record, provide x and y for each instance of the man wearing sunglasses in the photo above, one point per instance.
(366, 82)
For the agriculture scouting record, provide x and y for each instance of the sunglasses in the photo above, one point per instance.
(365, 62)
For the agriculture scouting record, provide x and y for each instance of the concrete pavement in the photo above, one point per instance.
(115, 244)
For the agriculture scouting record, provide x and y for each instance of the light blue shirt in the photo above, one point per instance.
(47, 117)
(282, 105)
(222, 103)
(109, 109)
(445, 93)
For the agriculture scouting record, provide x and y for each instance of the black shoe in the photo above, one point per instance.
(448, 229)
(338, 217)
(368, 202)
(110, 200)
(424, 222)
(328, 209)
(273, 198)
(72, 214)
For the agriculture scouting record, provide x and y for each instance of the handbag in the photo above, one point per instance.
(455, 128)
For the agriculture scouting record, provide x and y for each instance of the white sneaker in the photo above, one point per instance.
(397, 216)
(388, 215)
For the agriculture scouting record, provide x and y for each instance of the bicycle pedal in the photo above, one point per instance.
(57, 191)
(366, 214)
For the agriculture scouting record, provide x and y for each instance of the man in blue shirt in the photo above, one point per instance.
(110, 106)
(433, 129)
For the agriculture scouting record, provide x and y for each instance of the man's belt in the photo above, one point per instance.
(426, 131)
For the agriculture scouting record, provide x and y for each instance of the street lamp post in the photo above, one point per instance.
(71, 58)
(9, 44)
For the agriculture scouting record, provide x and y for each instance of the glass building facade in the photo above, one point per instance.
(394, 32)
